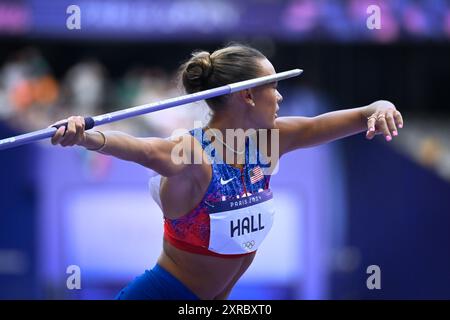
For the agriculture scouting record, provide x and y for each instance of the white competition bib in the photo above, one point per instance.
(239, 226)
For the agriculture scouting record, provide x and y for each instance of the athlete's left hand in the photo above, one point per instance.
(382, 118)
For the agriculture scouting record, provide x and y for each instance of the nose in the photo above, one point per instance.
(279, 97)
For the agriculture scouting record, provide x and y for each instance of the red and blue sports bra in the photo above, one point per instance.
(235, 214)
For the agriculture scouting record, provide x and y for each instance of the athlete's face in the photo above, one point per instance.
(266, 99)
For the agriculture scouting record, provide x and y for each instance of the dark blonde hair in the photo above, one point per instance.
(233, 63)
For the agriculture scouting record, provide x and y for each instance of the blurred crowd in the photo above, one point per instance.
(427, 141)
(32, 98)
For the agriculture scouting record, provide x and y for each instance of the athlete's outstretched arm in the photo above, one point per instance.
(153, 153)
(380, 117)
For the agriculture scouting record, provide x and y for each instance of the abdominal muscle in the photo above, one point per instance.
(208, 277)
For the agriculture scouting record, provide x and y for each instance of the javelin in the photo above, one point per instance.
(91, 122)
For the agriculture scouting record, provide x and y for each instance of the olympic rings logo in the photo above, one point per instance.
(248, 244)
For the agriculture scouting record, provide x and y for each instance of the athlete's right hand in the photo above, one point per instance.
(71, 134)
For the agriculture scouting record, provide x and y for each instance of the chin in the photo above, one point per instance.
(266, 124)
(270, 125)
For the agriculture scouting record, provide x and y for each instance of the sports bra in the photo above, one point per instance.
(234, 215)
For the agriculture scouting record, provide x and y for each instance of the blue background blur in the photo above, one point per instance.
(341, 207)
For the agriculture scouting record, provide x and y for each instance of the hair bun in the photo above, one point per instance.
(230, 64)
(197, 71)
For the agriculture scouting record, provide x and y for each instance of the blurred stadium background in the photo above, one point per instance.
(341, 207)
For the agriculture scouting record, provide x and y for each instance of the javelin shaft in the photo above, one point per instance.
(91, 122)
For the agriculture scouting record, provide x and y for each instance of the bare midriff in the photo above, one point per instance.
(208, 277)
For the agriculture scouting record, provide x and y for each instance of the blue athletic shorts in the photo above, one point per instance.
(156, 284)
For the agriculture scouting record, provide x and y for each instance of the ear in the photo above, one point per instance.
(247, 96)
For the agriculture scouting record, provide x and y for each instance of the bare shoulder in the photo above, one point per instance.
(188, 151)
(286, 124)
(180, 193)
(292, 131)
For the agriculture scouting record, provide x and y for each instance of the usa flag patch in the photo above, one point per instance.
(256, 174)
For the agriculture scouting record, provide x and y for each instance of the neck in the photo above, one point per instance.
(228, 121)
